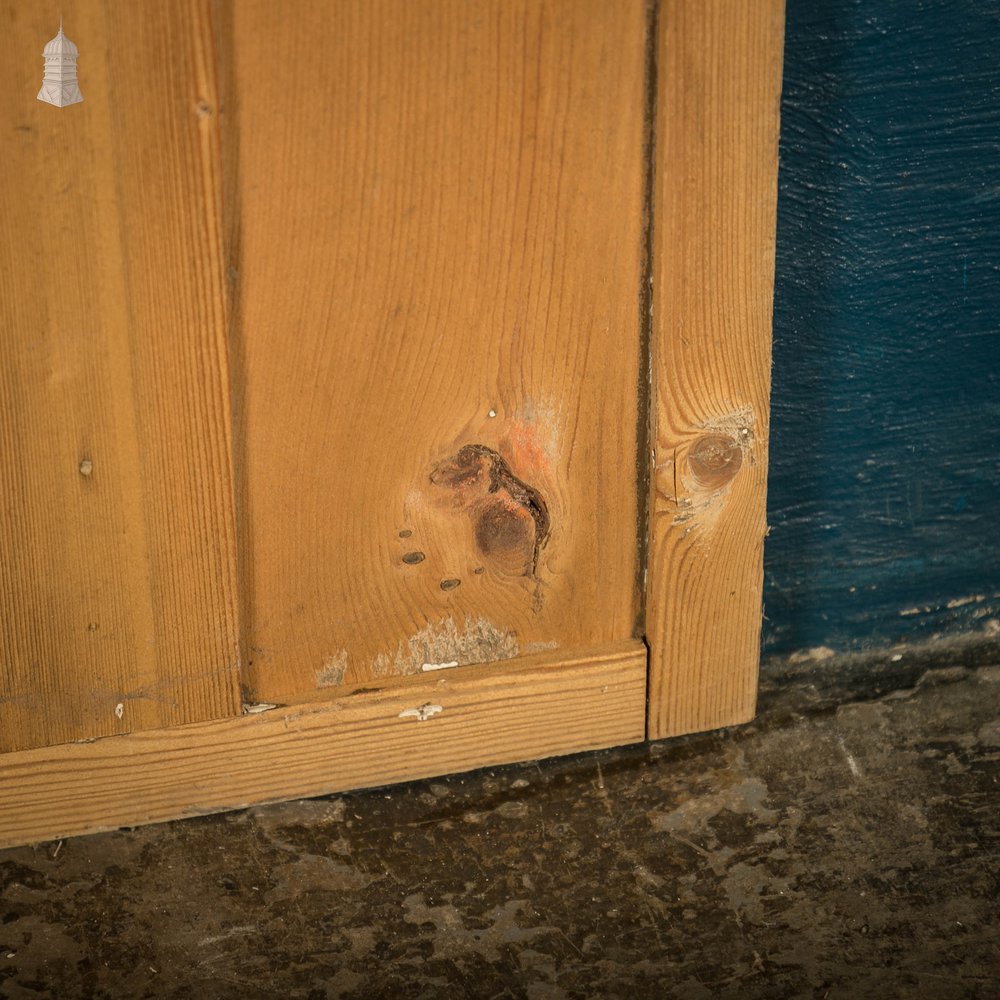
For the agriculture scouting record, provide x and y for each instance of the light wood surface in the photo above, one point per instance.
(719, 84)
(117, 586)
(420, 307)
(436, 279)
(413, 727)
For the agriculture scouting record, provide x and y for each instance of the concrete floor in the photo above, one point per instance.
(847, 844)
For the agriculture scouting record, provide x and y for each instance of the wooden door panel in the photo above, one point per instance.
(438, 252)
(117, 553)
(333, 365)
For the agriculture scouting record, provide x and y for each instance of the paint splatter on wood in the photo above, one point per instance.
(422, 713)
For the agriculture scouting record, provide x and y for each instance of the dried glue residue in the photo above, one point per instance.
(478, 641)
(332, 672)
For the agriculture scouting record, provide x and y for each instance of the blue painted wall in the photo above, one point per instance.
(885, 442)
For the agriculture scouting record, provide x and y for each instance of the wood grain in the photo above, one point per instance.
(719, 82)
(487, 715)
(438, 247)
(117, 585)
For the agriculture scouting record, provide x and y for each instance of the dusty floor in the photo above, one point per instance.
(847, 844)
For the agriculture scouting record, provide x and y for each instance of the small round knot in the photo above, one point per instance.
(715, 459)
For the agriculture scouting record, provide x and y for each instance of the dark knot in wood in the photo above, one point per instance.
(715, 459)
(510, 518)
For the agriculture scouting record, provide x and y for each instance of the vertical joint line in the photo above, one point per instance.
(647, 389)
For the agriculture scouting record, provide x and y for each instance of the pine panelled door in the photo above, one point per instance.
(384, 392)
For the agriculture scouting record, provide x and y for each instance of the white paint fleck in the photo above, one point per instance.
(851, 762)
(493, 413)
(263, 706)
(421, 714)
(447, 665)
(960, 602)
(86, 467)
(120, 709)
(815, 655)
